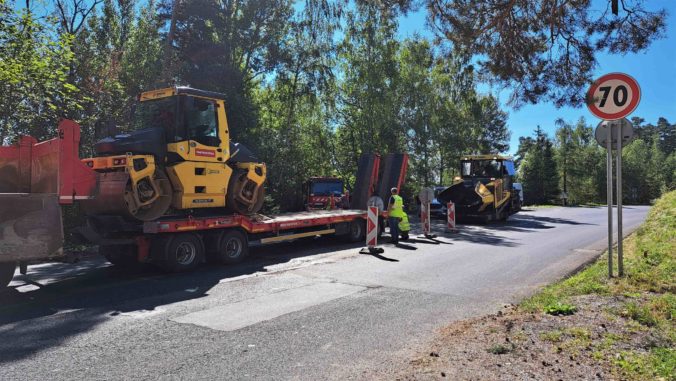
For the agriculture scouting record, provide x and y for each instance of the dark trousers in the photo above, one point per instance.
(394, 228)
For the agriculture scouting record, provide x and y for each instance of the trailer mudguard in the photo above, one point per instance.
(35, 179)
(30, 227)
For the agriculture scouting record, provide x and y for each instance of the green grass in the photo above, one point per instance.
(650, 282)
(554, 336)
(577, 339)
(559, 309)
(499, 349)
(658, 363)
(540, 206)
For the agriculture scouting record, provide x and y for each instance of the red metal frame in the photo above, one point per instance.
(76, 180)
(143, 248)
(274, 225)
(402, 174)
(374, 175)
(52, 166)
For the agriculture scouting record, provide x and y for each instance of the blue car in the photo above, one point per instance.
(438, 209)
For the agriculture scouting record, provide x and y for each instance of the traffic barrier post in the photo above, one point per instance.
(450, 226)
(425, 220)
(372, 232)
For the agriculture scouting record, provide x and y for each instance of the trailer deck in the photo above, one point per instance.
(255, 224)
(51, 174)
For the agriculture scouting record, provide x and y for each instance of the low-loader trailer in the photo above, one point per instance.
(38, 178)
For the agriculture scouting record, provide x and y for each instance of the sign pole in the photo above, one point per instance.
(609, 191)
(618, 165)
(612, 97)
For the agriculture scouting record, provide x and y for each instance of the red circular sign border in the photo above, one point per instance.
(633, 84)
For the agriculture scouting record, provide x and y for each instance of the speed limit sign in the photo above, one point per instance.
(613, 96)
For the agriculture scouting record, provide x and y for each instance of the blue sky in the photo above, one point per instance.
(654, 69)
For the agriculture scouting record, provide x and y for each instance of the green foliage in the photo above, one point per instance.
(225, 46)
(579, 168)
(649, 162)
(552, 336)
(580, 162)
(650, 264)
(544, 50)
(305, 97)
(658, 363)
(499, 349)
(559, 308)
(34, 68)
(538, 171)
(641, 314)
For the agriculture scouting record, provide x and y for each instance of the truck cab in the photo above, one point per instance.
(324, 193)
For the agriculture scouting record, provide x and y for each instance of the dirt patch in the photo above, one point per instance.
(517, 345)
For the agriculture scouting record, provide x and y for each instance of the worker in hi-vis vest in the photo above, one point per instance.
(404, 227)
(395, 212)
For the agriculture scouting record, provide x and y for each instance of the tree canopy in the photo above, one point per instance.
(310, 86)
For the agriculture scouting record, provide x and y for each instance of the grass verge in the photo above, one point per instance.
(646, 294)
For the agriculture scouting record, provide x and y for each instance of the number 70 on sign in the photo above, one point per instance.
(613, 96)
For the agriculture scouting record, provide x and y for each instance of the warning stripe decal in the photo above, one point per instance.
(372, 227)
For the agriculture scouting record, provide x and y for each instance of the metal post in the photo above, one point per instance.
(609, 191)
(618, 179)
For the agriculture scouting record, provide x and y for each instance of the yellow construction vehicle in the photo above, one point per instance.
(485, 189)
(177, 155)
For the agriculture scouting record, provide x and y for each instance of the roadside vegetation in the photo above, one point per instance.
(585, 326)
(310, 85)
(645, 297)
(573, 163)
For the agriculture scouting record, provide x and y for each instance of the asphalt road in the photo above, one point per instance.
(314, 309)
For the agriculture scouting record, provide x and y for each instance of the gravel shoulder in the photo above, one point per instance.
(518, 345)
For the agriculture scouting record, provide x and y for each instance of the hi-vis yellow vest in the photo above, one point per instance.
(404, 226)
(397, 209)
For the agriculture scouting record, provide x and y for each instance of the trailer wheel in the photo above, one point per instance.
(233, 247)
(180, 253)
(6, 274)
(122, 256)
(357, 230)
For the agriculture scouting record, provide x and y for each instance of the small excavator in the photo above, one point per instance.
(484, 190)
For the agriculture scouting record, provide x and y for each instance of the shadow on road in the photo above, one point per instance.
(382, 257)
(404, 246)
(91, 292)
(491, 233)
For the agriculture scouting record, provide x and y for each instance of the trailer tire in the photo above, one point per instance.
(122, 256)
(357, 231)
(6, 274)
(179, 253)
(233, 247)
